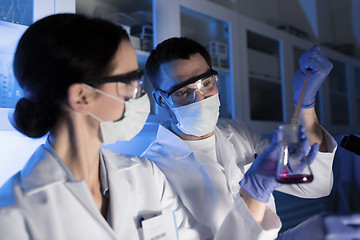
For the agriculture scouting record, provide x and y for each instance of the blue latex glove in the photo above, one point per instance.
(260, 180)
(325, 226)
(319, 66)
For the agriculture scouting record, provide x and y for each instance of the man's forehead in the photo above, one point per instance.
(179, 70)
(173, 69)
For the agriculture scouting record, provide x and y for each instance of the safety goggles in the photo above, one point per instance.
(134, 82)
(185, 93)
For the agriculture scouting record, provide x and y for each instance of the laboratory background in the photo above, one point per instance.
(254, 45)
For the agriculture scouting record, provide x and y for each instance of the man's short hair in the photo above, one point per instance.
(169, 50)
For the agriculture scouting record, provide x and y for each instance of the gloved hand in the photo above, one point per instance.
(260, 180)
(325, 226)
(319, 66)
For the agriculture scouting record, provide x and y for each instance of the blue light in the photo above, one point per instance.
(355, 13)
(310, 10)
(15, 150)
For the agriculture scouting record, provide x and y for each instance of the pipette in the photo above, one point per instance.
(294, 119)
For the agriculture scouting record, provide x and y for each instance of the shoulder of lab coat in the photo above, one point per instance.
(168, 143)
(176, 160)
(243, 138)
(34, 176)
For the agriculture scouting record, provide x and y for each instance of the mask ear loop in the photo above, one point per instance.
(172, 114)
(104, 93)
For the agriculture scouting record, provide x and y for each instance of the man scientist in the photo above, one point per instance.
(205, 159)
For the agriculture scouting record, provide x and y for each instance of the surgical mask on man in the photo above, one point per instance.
(198, 118)
(133, 120)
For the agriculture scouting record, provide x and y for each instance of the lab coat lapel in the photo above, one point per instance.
(82, 194)
(121, 194)
(173, 143)
(226, 151)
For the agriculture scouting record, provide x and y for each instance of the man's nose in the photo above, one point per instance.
(198, 95)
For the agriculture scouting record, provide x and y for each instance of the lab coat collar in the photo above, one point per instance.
(120, 187)
(176, 146)
(41, 170)
(173, 143)
(127, 161)
(225, 131)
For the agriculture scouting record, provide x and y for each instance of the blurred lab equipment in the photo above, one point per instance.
(5, 93)
(325, 226)
(138, 25)
(10, 90)
(4, 8)
(219, 53)
(14, 14)
(351, 143)
(143, 29)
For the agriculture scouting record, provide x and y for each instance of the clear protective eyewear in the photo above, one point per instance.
(134, 82)
(185, 93)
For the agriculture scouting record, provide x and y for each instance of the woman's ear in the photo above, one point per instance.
(80, 97)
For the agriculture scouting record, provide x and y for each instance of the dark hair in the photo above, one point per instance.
(172, 49)
(54, 53)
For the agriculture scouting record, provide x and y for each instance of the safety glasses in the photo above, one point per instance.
(185, 93)
(133, 80)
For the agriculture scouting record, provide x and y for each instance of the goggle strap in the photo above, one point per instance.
(104, 93)
(125, 78)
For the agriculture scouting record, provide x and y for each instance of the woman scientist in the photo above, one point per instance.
(82, 85)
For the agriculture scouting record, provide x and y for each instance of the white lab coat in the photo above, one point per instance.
(44, 201)
(236, 146)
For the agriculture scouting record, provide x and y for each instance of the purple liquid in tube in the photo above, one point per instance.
(294, 178)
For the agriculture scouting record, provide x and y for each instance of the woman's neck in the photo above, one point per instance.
(77, 145)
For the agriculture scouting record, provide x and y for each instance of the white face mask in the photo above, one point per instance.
(133, 120)
(198, 118)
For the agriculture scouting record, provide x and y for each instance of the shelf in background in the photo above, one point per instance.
(220, 69)
(338, 93)
(265, 78)
(142, 56)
